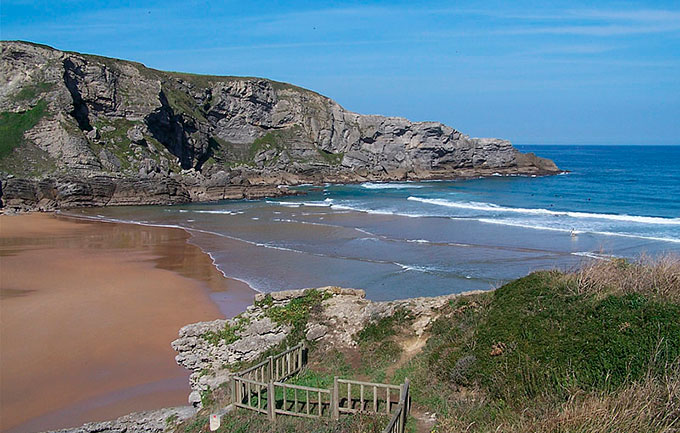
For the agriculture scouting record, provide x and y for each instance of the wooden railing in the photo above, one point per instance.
(277, 368)
(367, 396)
(249, 388)
(261, 388)
(250, 394)
(398, 422)
(312, 402)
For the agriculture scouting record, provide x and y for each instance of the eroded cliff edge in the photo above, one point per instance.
(81, 130)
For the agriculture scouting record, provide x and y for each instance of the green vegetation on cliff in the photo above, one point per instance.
(537, 354)
(13, 126)
(32, 90)
(295, 313)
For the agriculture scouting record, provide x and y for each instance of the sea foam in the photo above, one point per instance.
(490, 207)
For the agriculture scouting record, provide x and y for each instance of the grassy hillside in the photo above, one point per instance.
(596, 350)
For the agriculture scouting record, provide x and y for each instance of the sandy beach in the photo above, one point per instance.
(87, 312)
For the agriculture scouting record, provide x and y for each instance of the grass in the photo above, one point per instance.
(296, 313)
(331, 158)
(31, 162)
(658, 277)
(182, 102)
(275, 140)
(13, 126)
(266, 142)
(543, 354)
(117, 141)
(377, 347)
(171, 419)
(31, 91)
(313, 379)
(249, 422)
(228, 334)
(537, 338)
(231, 155)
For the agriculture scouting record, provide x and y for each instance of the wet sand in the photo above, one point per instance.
(87, 313)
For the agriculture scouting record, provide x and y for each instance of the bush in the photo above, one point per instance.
(658, 277)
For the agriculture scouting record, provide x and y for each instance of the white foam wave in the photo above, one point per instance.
(375, 211)
(423, 269)
(217, 212)
(389, 185)
(366, 232)
(592, 255)
(539, 227)
(224, 274)
(284, 203)
(490, 207)
(316, 203)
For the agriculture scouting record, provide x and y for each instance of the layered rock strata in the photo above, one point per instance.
(89, 130)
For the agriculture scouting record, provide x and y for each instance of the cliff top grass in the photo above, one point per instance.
(535, 354)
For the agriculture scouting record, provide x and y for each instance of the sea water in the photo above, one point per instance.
(406, 239)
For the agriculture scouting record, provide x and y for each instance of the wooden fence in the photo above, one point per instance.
(367, 396)
(261, 388)
(249, 388)
(398, 422)
(310, 402)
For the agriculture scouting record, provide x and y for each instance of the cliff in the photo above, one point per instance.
(87, 130)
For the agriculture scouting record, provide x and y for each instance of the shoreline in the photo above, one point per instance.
(69, 285)
(187, 230)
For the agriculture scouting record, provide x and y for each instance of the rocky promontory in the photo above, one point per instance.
(84, 130)
(328, 317)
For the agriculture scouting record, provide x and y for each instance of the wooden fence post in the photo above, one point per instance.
(271, 369)
(403, 393)
(302, 349)
(233, 389)
(271, 402)
(286, 362)
(335, 400)
(406, 400)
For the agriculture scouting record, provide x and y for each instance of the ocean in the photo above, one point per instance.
(408, 239)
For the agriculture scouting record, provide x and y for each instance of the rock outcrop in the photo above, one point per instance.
(89, 130)
(155, 421)
(334, 323)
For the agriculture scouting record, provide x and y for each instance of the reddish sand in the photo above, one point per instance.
(87, 314)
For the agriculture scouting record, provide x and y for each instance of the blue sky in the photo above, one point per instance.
(597, 72)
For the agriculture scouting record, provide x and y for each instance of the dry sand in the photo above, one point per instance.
(87, 314)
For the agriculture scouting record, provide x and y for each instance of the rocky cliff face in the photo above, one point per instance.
(87, 130)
